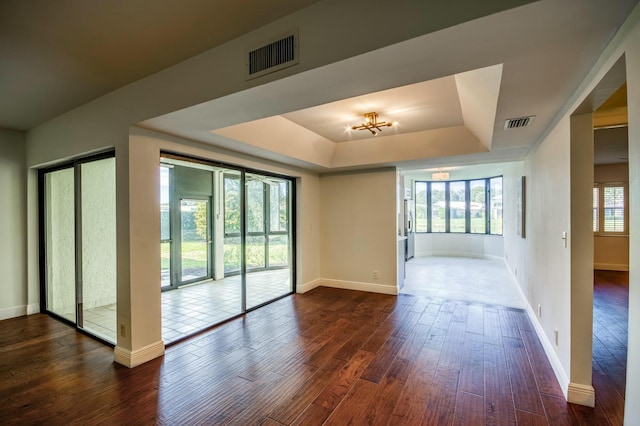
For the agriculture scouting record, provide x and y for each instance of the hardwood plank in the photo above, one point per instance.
(331, 396)
(475, 319)
(289, 408)
(590, 416)
(384, 401)
(498, 398)
(472, 365)
(508, 323)
(542, 370)
(413, 398)
(303, 361)
(312, 415)
(460, 313)
(491, 327)
(558, 411)
(611, 402)
(383, 359)
(530, 419)
(429, 314)
(441, 402)
(525, 388)
(353, 410)
(469, 410)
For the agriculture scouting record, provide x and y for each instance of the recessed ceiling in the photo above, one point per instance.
(452, 115)
(544, 50)
(422, 106)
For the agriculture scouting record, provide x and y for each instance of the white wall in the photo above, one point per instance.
(611, 252)
(549, 276)
(465, 245)
(359, 235)
(514, 243)
(13, 190)
(632, 52)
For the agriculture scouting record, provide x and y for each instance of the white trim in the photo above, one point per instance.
(308, 286)
(132, 359)
(582, 395)
(474, 255)
(611, 267)
(33, 308)
(552, 356)
(13, 312)
(360, 286)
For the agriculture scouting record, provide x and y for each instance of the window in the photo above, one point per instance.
(596, 204)
(477, 206)
(609, 208)
(438, 207)
(464, 206)
(495, 192)
(458, 206)
(421, 206)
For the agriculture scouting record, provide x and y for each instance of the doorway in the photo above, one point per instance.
(78, 244)
(226, 242)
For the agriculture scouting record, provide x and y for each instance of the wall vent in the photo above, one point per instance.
(516, 123)
(274, 55)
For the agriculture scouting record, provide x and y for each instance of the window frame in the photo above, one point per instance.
(601, 186)
(447, 189)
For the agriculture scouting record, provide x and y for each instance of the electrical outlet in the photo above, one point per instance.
(123, 332)
(375, 275)
(555, 335)
(540, 311)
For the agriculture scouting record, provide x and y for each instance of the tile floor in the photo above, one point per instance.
(194, 307)
(463, 278)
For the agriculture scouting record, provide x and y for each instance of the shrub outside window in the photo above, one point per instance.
(462, 206)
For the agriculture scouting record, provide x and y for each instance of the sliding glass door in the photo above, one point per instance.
(227, 233)
(267, 239)
(60, 229)
(79, 241)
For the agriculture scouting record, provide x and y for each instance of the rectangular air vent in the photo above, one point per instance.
(274, 55)
(516, 123)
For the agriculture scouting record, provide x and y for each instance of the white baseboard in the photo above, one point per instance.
(360, 286)
(13, 312)
(552, 356)
(457, 254)
(610, 267)
(303, 288)
(132, 359)
(582, 395)
(33, 308)
(556, 365)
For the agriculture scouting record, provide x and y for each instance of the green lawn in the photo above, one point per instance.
(194, 255)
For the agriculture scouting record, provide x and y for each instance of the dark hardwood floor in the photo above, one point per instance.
(610, 320)
(326, 357)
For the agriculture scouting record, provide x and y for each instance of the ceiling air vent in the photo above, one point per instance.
(516, 123)
(276, 54)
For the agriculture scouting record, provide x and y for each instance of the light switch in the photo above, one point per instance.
(564, 238)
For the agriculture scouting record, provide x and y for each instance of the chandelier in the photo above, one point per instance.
(372, 124)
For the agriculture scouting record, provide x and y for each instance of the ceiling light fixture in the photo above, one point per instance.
(440, 175)
(371, 122)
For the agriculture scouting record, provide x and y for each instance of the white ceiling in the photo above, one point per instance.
(55, 56)
(544, 50)
(422, 106)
